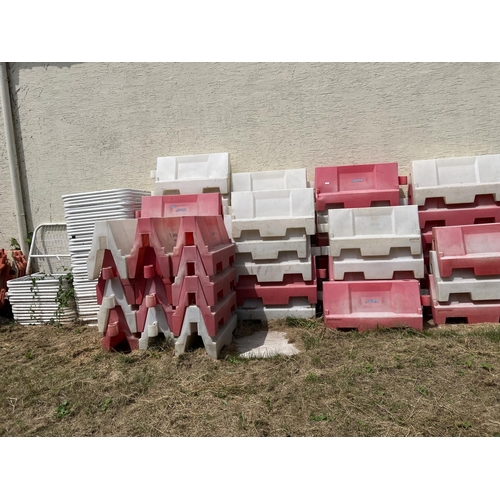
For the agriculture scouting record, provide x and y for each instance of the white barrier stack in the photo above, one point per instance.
(376, 253)
(456, 180)
(271, 222)
(376, 241)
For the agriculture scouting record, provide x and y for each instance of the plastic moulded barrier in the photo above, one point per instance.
(272, 213)
(368, 304)
(456, 180)
(181, 205)
(115, 236)
(213, 317)
(192, 174)
(460, 306)
(191, 267)
(399, 260)
(269, 180)
(463, 281)
(356, 186)
(295, 240)
(374, 231)
(274, 269)
(253, 309)
(169, 235)
(468, 247)
(277, 293)
(194, 320)
(436, 213)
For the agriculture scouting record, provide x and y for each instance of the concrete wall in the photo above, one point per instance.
(94, 126)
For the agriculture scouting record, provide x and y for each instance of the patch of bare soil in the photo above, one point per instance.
(57, 381)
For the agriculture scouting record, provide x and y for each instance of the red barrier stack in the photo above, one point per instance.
(181, 259)
(467, 264)
(364, 303)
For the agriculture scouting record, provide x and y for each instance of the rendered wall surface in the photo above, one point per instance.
(92, 126)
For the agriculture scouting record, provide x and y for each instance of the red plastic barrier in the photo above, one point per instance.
(181, 205)
(214, 287)
(436, 213)
(214, 316)
(150, 239)
(468, 247)
(356, 186)
(276, 293)
(368, 304)
(117, 331)
(484, 311)
(168, 236)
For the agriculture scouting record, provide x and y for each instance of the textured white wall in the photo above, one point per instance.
(98, 126)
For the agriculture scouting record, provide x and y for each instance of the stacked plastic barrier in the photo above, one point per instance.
(81, 211)
(194, 174)
(454, 191)
(271, 222)
(463, 191)
(465, 273)
(169, 271)
(374, 255)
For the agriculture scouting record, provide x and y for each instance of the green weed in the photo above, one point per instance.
(63, 410)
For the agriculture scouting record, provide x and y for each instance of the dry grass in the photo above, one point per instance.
(57, 381)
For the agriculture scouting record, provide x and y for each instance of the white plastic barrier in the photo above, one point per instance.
(375, 230)
(252, 309)
(273, 270)
(192, 174)
(117, 236)
(464, 281)
(270, 180)
(295, 241)
(156, 322)
(109, 303)
(378, 268)
(457, 180)
(272, 213)
(213, 345)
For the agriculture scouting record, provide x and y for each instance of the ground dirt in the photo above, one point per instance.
(57, 381)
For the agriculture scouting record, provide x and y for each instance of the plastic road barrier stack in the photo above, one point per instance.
(465, 273)
(170, 272)
(271, 223)
(453, 192)
(355, 186)
(375, 255)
